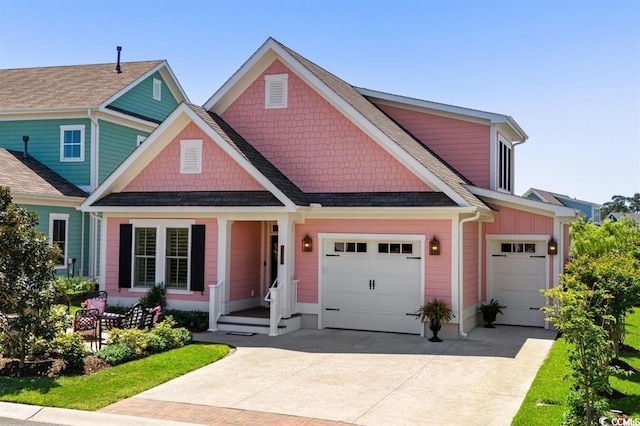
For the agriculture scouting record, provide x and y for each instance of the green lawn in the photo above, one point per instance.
(544, 404)
(105, 387)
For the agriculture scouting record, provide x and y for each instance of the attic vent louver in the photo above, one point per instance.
(275, 95)
(118, 69)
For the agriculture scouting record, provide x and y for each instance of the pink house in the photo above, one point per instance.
(293, 194)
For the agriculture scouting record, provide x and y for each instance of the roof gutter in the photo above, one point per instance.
(461, 223)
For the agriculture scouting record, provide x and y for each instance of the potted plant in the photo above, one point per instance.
(490, 311)
(436, 312)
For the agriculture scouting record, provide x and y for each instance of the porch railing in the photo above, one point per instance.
(283, 300)
(215, 304)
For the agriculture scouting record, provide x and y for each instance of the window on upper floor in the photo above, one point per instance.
(157, 89)
(191, 156)
(72, 143)
(58, 235)
(596, 216)
(275, 90)
(505, 165)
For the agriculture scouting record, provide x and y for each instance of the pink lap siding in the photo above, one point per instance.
(463, 145)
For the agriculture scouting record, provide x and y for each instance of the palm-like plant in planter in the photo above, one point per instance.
(436, 312)
(490, 311)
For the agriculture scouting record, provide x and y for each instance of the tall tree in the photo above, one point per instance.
(622, 204)
(26, 273)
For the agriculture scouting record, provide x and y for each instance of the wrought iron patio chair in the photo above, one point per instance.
(86, 322)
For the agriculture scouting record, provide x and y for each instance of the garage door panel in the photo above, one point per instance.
(516, 281)
(396, 323)
(371, 290)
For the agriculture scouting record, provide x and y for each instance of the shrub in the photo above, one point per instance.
(70, 347)
(156, 343)
(155, 296)
(116, 353)
(191, 320)
(174, 337)
(68, 288)
(136, 339)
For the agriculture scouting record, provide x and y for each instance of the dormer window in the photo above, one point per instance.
(505, 165)
(275, 90)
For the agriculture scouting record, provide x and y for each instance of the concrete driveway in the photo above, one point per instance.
(370, 378)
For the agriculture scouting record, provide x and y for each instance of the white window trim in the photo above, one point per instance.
(161, 249)
(157, 89)
(65, 128)
(268, 79)
(140, 139)
(502, 141)
(187, 145)
(65, 218)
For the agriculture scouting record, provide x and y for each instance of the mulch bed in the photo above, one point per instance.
(9, 367)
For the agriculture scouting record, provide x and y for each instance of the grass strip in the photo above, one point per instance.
(92, 392)
(545, 402)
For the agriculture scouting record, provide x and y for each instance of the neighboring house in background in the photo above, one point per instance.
(616, 216)
(341, 206)
(590, 210)
(76, 124)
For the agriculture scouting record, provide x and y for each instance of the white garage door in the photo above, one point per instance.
(518, 273)
(371, 284)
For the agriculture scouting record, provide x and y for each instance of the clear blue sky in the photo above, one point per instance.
(567, 71)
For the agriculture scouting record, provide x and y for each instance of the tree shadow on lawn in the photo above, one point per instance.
(16, 385)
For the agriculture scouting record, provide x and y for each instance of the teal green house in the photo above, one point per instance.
(65, 129)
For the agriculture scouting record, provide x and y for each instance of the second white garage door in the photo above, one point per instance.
(372, 284)
(518, 273)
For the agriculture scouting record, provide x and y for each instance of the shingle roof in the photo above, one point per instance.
(401, 137)
(190, 199)
(381, 199)
(32, 177)
(548, 197)
(66, 86)
(252, 155)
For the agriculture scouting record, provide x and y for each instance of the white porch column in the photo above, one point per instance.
(224, 259)
(285, 249)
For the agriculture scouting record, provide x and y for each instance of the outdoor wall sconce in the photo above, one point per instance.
(307, 243)
(552, 247)
(434, 247)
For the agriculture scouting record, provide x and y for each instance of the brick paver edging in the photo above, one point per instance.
(204, 414)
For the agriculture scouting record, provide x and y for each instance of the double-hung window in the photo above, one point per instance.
(504, 165)
(58, 235)
(72, 143)
(161, 253)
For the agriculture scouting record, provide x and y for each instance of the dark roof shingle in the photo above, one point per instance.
(190, 199)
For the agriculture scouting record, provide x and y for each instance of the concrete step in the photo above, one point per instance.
(257, 325)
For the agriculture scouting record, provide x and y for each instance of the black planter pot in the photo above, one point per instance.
(489, 319)
(435, 326)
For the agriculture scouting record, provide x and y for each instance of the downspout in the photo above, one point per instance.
(461, 223)
(93, 184)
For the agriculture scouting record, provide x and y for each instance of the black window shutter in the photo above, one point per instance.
(197, 257)
(124, 266)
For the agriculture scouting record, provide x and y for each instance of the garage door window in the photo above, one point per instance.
(349, 247)
(395, 248)
(518, 248)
